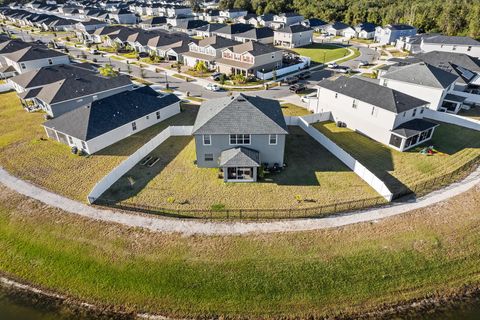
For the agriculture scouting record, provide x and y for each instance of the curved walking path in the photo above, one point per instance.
(190, 227)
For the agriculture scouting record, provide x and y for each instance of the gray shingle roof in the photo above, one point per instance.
(46, 75)
(72, 88)
(33, 53)
(104, 115)
(257, 33)
(400, 27)
(254, 48)
(239, 157)
(422, 74)
(217, 42)
(234, 28)
(297, 28)
(451, 40)
(413, 127)
(240, 114)
(372, 93)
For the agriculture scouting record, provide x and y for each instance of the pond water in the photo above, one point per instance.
(20, 308)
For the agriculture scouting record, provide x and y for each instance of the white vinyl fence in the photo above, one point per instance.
(284, 71)
(5, 87)
(107, 181)
(365, 174)
(311, 118)
(453, 119)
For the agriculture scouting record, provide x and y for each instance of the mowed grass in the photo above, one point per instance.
(400, 170)
(26, 152)
(290, 109)
(313, 175)
(321, 53)
(331, 272)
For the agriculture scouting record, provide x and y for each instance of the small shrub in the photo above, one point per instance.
(298, 198)
(170, 200)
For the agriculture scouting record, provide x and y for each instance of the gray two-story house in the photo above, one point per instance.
(239, 134)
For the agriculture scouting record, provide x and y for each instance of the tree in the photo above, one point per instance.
(201, 66)
(239, 79)
(108, 71)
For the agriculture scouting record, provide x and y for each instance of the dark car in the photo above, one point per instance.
(216, 76)
(304, 75)
(291, 80)
(296, 88)
(143, 55)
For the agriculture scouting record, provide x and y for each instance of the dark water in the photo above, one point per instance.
(18, 307)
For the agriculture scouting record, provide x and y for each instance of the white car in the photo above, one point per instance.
(332, 65)
(306, 98)
(212, 87)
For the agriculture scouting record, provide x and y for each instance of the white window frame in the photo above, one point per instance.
(209, 139)
(270, 136)
(209, 158)
(243, 136)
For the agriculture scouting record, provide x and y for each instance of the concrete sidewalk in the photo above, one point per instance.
(191, 227)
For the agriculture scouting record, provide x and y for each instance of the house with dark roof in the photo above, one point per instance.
(463, 66)
(207, 50)
(33, 57)
(230, 14)
(122, 16)
(262, 34)
(286, 19)
(340, 29)
(62, 96)
(208, 30)
(454, 44)
(239, 134)
(153, 22)
(229, 31)
(189, 26)
(365, 30)
(265, 20)
(426, 82)
(293, 36)
(248, 58)
(386, 115)
(100, 123)
(315, 24)
(392, 32)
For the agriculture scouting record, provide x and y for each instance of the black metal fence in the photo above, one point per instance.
(247, 214)
(424, 187)
(417, 190)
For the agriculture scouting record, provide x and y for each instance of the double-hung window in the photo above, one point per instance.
(239, 139)
(134, 126)
(272, 139)
(158, 115)
(355, 104)
(207, 140)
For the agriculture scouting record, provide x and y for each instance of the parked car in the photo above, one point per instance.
(212, 87)
(291, 80)
(333, 65)
(94, 51)
(306, 98)
(296, 88)
(304, 75)
(143, 55)
(342, 69)
(216, 76)
(363, 63)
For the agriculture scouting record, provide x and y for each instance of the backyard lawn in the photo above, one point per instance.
(314, 177)
(290, 109)
(321, 53)
(402, 170)
(26, 153)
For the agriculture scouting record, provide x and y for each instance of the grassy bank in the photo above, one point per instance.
(321, 53)
(434, 250)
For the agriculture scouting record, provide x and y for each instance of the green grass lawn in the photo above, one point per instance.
(290, 109)
(130, 55)
(292, 275)
(321, 53)
(26, 153)
(362, 41)
(402, 170)
(117, 58)
(313, 174)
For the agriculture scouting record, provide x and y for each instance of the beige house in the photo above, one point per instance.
(248, 58)
(293, 36)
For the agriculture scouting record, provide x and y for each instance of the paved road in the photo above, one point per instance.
(191, 227)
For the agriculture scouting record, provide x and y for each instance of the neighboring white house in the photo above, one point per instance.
(293, 36)
(286, 19)
(230, 14)
(34, 57)
(392, 32)
(426, 82)
(103, 122)
(383, 114)
(365, 30)
(339, 29)
(451, 44)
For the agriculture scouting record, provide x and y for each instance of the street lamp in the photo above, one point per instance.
(166, 79)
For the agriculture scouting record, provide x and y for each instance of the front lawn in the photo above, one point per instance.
(404, 170)
(26, 152)
(313, 178)
(321, 53)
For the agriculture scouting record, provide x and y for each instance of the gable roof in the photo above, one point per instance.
(372, 93)
(257, 33)
(72, 88)
(422, 74)
(107, 114)
(217, 42)
(33, 53)
(10, 46)
(211, 27)
(154, 21)
(240, 114)
(452, 40)
(50, 74)
(400, 27)
(239, 157)
(254, 48)
(297, 28)
(366, 26)
(337, 25)
(314, 22)
(235, 28)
